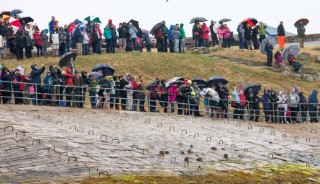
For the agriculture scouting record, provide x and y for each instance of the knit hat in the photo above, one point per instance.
(110, 21)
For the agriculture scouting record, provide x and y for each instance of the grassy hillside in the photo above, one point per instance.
(166, 66)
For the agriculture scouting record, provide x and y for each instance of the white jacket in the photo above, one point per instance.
(85, 38)
(282, 102)
(212, 93)
(55, 38)
(1, 42)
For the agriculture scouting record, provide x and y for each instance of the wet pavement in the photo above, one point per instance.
(58, 143)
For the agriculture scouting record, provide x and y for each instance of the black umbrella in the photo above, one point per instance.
(200, 82)
(15, 12)
(95, 75)
(286, 52)
(157, 26)
(224, 20)
(135, 23)
(65, 59)
(4, 13)
(26, 20)
(152, 84)
(254, 87)
(216, 79)
(198, 19)
(174, 80)
(106, 69)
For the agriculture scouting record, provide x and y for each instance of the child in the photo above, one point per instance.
(147, 41)
(269, 48)
(278, 58)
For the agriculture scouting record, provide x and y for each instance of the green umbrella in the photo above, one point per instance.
(96, 20)
(88, 18)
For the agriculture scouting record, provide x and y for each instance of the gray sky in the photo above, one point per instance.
(149, 12)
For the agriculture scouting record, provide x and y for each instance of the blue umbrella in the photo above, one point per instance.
(216, 79)
(105, 68)
(96, 75)
(15, 12)
(294, 48)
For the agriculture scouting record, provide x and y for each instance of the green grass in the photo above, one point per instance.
(165, 66)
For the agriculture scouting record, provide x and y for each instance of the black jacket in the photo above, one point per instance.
(247, 33)
(122, 32)
(281, 30)
(20, 40)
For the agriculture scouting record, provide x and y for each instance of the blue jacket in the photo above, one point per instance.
(268, 48)
(146, 39)
(48, 81)
(35, 74)
(107, 33)
(78, 36)
(313, 99)
(170, 32)
(266, 101)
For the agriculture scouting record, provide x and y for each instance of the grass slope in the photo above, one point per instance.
(166, 66)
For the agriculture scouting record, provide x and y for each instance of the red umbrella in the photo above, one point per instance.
(15, 24)
(251, 21)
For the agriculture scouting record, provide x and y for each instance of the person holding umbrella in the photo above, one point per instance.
(281, 35)
(301, 33)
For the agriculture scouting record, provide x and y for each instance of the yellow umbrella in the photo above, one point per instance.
(5, 16)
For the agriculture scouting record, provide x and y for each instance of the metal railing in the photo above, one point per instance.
(136, 100)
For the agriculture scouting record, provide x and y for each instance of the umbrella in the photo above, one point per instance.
(224, 20)
(4, 13)
(106, 69)
(200, 82)
(145, 31)
(255, 88)
(135, 23)
(15, 24)
(174, 80)
(216, 79)
(26, 20)
(264, 43)
(294, 48)
(157, 26)
(96, 75)
(251, 21)
(88, 19)
(21, 69)
(5, 17)
(198, 19)
(152, 83)
(15, 12)
(96, 20)
(65, 59)
(303, 20)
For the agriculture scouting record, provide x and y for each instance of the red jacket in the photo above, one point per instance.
(37, 38)
(69, 76)
(243, 100)
(158, 33)
(205, 31)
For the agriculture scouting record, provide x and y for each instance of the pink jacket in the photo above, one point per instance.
(226, 32)
(220, 32)
(205, 31)
(173, 91)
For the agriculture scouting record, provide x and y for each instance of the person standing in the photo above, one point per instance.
(282, 107)
(28, 45)
(79, 39)
(54, 40)
(205, 35)
(182, 40)
(122, 37)
(133, 35)
(268, 49)
(240, 31)
(44, 41)
(293, 104)
(226, 36)
(35, 77)
(303, 106)
(67, 46)
(175, 34)
(62, 41)
(85, 43)
(19, 42)
(273, 106)
(313, 106)
(108, 37)
(301, 33)
(262, 31)
(220, 35)
(143, 90)
(214, 37)
(38, 41)
(255, 41)
(266, 105)
(147, 41)
(18, 86)
(281, 35)
(248, 36)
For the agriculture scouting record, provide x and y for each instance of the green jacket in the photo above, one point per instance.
(92, 85)
(262, 30)
(107, 33)
(182, 33)
(301, 30)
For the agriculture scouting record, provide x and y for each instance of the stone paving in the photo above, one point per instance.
(38, 144)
